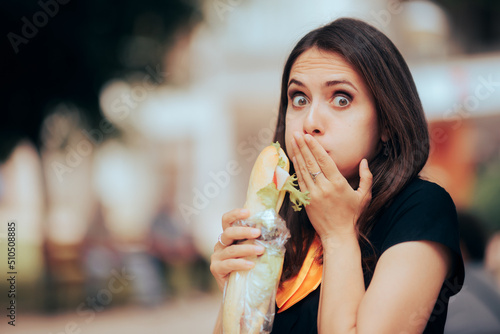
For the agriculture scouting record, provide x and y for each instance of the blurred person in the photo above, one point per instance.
(126, 186)
(475, 310)
(67, 159)
(99, 258)
(385, 241)
(172, 245)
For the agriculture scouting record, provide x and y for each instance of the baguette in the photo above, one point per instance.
(249, 296)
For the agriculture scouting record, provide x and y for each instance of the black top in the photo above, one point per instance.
(421, 211)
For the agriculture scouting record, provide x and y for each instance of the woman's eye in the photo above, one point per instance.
(299, 101)
(341, 101)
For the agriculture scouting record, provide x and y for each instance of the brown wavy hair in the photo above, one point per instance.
(399, 113)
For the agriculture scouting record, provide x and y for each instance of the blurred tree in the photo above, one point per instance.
(486, 195)
(56, 51)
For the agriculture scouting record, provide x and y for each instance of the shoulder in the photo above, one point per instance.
(423, 201)
(423, 210)
(423, 193)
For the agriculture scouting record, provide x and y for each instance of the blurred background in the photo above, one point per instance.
(129, 127)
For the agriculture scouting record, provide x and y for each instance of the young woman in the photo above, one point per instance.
(377, 250)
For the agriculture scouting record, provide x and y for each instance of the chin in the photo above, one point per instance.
(350, 173)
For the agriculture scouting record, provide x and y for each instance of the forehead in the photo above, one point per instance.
(321, 62)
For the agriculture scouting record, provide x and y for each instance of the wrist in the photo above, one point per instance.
(337, 240)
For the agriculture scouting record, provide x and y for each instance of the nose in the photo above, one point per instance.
(314, 122)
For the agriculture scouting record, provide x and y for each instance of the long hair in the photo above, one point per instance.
(400, 116)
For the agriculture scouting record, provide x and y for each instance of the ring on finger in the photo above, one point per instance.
(219, 240)
(313, 175)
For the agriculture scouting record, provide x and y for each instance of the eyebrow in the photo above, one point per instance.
(327, 84)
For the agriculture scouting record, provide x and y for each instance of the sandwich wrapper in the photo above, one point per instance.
(252, 294)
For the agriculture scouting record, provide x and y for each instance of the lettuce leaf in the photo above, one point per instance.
(269, 195)
(297, 197)
(281, 163)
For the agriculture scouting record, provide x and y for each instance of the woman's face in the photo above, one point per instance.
(330, 101)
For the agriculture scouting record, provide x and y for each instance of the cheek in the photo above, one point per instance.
(292, 125)
(352, 148)
(368, 125)
(288, 143)
(347, 163)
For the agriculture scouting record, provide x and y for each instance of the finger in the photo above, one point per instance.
(235, 257)
(223, 268)
(235, 233)
(310, 162)
(365, 180)
(303, 176)
(241, 251)
(230, 217)
(324, 161)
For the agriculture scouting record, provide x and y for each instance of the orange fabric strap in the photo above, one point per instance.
(306, 281)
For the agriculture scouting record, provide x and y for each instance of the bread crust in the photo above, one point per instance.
(261, 175)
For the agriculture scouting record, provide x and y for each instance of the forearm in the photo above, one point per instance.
(342, 287)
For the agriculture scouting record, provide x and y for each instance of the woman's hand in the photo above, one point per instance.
(335, 205)
(227, 259)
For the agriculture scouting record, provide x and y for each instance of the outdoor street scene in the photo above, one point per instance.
(129, 128)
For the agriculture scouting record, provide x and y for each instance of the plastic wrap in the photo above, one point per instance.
(249, 296)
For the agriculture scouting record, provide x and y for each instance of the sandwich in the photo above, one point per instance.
(249, 296)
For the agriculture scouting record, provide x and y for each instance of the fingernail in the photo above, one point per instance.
(259, 249)
(255, 232)
(307, 137)
(296, 134)
(249, 264)
(244, 211)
